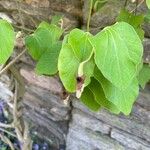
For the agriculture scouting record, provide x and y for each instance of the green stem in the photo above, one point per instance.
(137, 2)
(23, 28)
(89, 16)
(12, 62)
(125, 4)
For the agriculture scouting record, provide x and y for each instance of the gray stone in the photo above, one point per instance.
(52, 131)
(108, 13)
(141, 114)
(86, 121)
(105, 16)
(31, 12)
(94, 140)
(5, 91)
(133, 124)
(144, 98)
(146, 55)
(74, 143)
(47, 104)
(48, 83)
(130, 141)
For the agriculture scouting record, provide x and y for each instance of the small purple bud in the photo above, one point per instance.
(36, 147)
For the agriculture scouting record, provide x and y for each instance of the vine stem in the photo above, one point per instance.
(125, 4)
(23, 28)
(3, 130)
(12, 62)
(89, 16)
(3, 125)
(7, 141)
(141, 2)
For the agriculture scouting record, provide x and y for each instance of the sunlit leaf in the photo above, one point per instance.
(7, 39)
(148, 3)
(118, 52)
(72, 60)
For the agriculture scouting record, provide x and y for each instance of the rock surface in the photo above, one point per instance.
(131, 132)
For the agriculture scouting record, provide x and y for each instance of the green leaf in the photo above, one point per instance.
(56, 19)
(6, 41)
(98, 4)
(144, 75)
(148, 3)
(38, 43)
(123, 99)
(87, 98)
(54, 30)
(44, 37)
(147, 16)
(135, 20)
(118, 52)
(75, 60)
(99, 96)
(4, 148)
(44, 46)
(47, 63)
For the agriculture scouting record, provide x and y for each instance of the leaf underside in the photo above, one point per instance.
(75, 50)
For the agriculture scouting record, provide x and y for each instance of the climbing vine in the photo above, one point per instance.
(104, 70)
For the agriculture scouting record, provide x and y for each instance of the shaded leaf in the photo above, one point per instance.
(44, 37)
(44, 46)
(135, 20)
(98, 4)
(56, 19)
(38, 43)
(99, 96)
(47, 63)
(123, 99)
(147, 16)
(87, 98)
(144, 75)
(54, 30)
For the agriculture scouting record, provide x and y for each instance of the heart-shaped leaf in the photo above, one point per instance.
(118, 52)
(44, 46)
